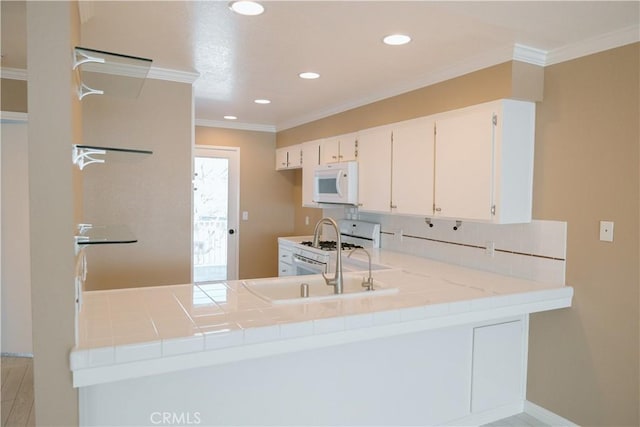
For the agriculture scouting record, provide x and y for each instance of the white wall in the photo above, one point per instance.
(16, 277)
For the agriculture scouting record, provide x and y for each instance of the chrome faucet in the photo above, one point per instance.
(366, 283)
(337, 281)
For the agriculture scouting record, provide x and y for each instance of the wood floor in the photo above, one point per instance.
(17, 392)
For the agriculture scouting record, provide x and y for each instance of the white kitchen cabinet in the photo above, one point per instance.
(498, 372)
(484, 162)
(341, 148)
(413, 167)
(310, 159)
(289, 157)
(374, 169)
(285, 261)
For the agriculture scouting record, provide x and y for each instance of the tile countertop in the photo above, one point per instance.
(128, 333)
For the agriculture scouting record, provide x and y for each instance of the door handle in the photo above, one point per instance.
(232, 231)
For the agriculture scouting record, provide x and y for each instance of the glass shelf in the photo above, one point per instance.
(84, 155)
(89, 234)
(108, 73)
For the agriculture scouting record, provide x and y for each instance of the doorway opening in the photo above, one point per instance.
(215, 213)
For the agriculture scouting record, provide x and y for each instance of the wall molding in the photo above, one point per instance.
(546, 416)
(170, 75)
(232, 125)
(593, 45)
(13, 117)
(13, 73)
(155, 73)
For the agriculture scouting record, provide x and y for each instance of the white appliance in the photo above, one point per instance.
(336, 183)
(306, 259)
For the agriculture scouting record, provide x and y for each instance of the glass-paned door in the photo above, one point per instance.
(215, 214)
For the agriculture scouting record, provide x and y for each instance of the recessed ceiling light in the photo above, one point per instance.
(309, 75)
(396, 39)
(262, 101)
(244, 7)
(230, 117)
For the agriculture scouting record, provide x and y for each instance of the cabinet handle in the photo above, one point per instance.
(334, 157)
(438, 209)
(394, 206)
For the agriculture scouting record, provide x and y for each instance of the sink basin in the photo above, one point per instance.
(286, 290)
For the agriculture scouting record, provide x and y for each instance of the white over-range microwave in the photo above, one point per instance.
(336, 183)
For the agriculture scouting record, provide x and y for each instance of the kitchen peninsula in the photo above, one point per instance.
(448, 348)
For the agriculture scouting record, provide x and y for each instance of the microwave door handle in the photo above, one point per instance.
(339, 180)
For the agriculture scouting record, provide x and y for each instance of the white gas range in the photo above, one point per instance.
(297, 257)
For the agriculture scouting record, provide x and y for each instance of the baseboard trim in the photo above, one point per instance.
(489, 416)
(547, 416)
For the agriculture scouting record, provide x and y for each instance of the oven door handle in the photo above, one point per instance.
(299, 259)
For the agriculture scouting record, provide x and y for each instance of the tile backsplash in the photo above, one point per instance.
(535, 251)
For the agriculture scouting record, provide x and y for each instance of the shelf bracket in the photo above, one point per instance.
(81, 57)
(84, 156)
(84, 90)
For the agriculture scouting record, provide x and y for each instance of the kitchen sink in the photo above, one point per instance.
(287, 290)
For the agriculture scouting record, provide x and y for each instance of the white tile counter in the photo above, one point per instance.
(137, 332)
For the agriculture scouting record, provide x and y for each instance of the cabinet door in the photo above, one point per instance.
(374, 170)
(348, 147)
(295, 157)
(310, 159)
(464, 164)
(412, 168)
(498, 365)
(281, 158)
(330, 150)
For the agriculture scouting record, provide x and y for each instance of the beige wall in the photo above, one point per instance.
(264, 192)
(149, 194)
(13, 95)
(52, 32)
(16, 281)
(484, 85)
(583, 362)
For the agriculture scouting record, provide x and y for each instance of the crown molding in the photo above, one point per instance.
(173, 75)
(593, 45)
(13, 73)
(232, 125)
(529, 54)
(13, 117)
(155, 73)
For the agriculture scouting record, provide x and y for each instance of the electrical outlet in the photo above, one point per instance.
(490, 248)
(606, 231)
(306, 220)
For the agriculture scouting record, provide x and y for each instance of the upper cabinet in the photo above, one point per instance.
(396, 168)
(289, 157)
(341, 148)
(484, 162)
(374, 169)
(413, 167)
(474, 164)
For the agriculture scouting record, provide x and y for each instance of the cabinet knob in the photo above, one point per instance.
(438, 209)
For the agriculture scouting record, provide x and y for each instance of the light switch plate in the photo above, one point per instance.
(606, 231)
(245, 215)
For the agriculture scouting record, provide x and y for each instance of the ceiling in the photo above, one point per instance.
(243, 58)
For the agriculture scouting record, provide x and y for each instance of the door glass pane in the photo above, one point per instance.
(210, 222)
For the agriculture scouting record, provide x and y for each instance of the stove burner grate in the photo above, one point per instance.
(330, 245)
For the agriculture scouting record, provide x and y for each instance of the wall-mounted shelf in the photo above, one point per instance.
(84, 155)
(89, 234)
(100, 72)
